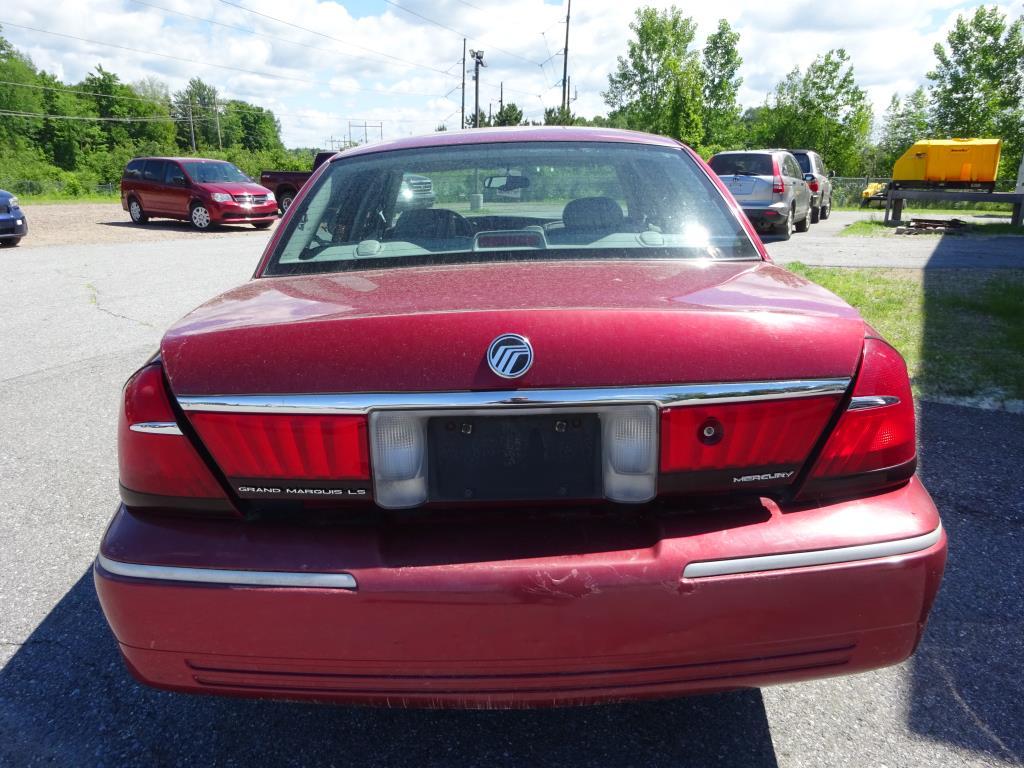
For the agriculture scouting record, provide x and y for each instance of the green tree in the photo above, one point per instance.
(484, 122)
(823, 109)
(509, 114)
(721, 85)
(658, 85)
(17, 68)
(977, 86)
(559, 116)
(905, 121)
(196, 110)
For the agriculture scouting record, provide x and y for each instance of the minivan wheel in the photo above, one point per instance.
(815, 214)
(826, 210)
(135, 211)
(200, 216)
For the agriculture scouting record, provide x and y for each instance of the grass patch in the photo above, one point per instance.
(960, 331)
(866, 228)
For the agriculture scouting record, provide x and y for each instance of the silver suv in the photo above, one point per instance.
(818, 179)
(770, 186)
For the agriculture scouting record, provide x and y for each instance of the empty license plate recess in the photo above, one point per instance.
(515, 457)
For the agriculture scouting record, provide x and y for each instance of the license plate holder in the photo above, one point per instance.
(514, 457)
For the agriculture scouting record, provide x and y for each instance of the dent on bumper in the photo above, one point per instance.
(554, 620)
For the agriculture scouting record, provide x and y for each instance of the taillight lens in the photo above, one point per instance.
(878, 430)
(777, 185)
(286, 446)
(734, 445)
(813, 186)
(154, 458)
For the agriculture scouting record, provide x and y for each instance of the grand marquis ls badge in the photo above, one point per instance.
(510, 356)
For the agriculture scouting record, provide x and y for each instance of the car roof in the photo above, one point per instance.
(180, 159)
(527, 133)
(750, 152)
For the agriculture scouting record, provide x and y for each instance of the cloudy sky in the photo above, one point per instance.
(320, 64)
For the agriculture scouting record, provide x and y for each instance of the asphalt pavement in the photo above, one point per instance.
(77, 320)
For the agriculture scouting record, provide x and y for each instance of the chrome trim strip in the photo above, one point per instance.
(852, 554)
(228, 577)
(156, 428)
(871, 401)
(665, 395)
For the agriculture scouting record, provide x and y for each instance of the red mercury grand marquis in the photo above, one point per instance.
(566, 436)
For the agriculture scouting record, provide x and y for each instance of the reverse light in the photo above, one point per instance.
(875, 439)
(154, 457)
(630, 440)
(398, 446)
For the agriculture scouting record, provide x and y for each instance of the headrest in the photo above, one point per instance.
(589, 214)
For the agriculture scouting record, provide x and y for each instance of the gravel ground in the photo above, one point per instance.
(79, 319)
(95, 223)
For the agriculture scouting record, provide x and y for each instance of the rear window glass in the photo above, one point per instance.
(743, 165)
(134, 169)
(204, 172)
(805, 163)
(509, 201)
(154, 170)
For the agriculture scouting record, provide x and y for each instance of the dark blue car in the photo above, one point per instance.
(13, 224)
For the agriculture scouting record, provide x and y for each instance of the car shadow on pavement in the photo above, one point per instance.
(66, 699)
(173, 225)
(967, 677)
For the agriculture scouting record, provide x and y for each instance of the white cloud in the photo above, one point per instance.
(361, 61)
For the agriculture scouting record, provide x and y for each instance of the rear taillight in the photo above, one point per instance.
(778, 187)
(286, 446)
(734, 446)
(874, 442)
(812, 185)
(154, 457)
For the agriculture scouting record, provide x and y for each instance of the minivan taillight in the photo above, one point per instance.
(158, 465)
(873, 445)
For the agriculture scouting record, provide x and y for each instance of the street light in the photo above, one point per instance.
(478, 61)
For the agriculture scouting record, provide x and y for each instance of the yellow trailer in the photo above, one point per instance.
(948, 164)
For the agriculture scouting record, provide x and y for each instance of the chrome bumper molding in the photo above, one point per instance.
(663, 396)
(834, 556)
(227, 577)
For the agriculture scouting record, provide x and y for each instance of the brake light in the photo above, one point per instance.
(876, 436)
(741, 444)
(778, 187)
(154, 457)
(286, 446)
(812, 185)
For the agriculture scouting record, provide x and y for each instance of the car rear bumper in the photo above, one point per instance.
(13, 227)
(770, 215)
(522, 614)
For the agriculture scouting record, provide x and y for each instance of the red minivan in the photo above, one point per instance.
(205, 192)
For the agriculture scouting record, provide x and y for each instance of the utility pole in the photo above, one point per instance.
(501, 96)
(191, 125)
(216, 113)
(478, 61)
(463, 123)
(565, 59)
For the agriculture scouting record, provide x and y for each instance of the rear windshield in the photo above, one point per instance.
(204, 172)
(509, 202)
(743, 165)
(805, 162)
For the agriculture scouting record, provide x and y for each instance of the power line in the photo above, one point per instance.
(157, 119)
(452, 29)
(329, 37)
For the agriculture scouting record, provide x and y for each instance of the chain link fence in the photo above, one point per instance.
(70, 190)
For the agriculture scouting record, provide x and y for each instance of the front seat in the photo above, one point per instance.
(592, 215)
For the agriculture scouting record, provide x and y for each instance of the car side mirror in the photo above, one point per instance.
(831, 174)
